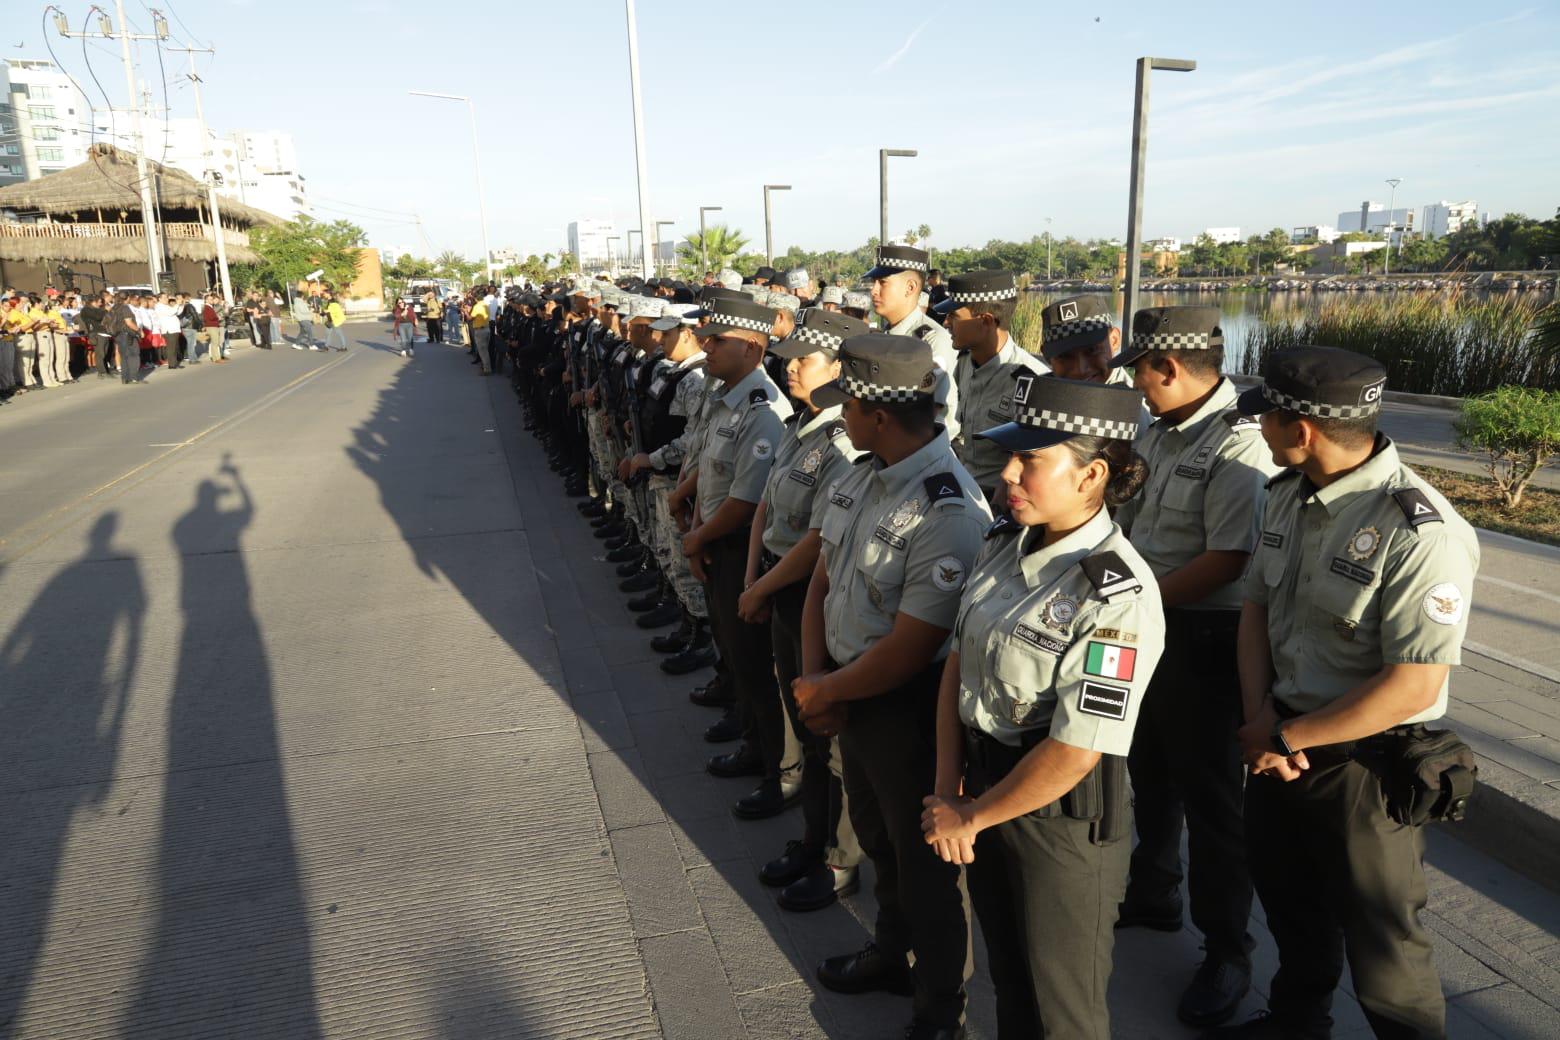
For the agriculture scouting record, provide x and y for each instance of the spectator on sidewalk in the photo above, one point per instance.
(454, 321)
(212, 334)
(167, 326)
(335, 318)
(433, 314)
(51, 334)
(124, 325)
(189, 327)
(404, 326)
(92, 321)
(481, 335)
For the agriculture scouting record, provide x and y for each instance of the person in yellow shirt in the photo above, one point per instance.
(481, 335)
(51, 343)
(23, 322)
(335, 318)
(13, 317)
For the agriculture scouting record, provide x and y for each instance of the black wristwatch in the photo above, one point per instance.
(1279, 743)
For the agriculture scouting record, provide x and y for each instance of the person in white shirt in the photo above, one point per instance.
(166, 324)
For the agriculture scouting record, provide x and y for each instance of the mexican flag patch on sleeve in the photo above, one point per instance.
(1109, 662)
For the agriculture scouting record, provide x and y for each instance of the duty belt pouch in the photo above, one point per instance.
(1101, 798)
(1426, 774)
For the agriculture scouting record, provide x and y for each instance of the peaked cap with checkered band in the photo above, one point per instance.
(896, 259)
(1078, 321)
(819, 330)
(1322, 382)
(727, 315)
(1171, 328)
(974, 288)
(1048, 410)
(882, 367)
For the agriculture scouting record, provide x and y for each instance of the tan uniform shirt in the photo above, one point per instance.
(945, 393)
(814, 452)
(1206, 484)
(1374, 569)
(739, 442)
(986, 400)
(898, 538)
(1062, 638)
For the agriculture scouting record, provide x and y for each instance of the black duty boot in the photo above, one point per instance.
(764, 801)
(1215, 992)
(666, 613)
(607, 517)
(592, 508)
(611, 530)
(867, 970)
(745, 761)
(797, 859)
(649, 601)
(713, 694)
(626, 540)
(820, 887)
(638, 565)
(699, 653)
(674, 642)
(1160, 915)
(641, 579)
(576, 488)
(729, 728)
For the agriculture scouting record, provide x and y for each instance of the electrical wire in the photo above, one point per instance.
(91, 150)
(167, 110)
(176, 18)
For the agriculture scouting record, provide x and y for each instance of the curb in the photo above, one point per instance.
(1513, 819)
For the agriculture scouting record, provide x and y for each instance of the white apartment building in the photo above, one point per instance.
(1223, 235)
(45, 121)
(1374, 218)
(588, 242)
(1323, 233)
(1443, 218)
(1164, 245)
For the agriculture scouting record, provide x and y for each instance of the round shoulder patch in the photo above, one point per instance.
(762, 449)
(948, 573)
(1444, 604)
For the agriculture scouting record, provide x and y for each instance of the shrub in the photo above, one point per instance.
(1519, 428)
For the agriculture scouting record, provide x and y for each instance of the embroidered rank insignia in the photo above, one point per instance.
(1108, 702)
(1003, 525)
(1416, 506)
(1109, 575)
(1364, 543)
(1203, 455)
(758, 396)
(943, 485)
(836, 428)
(812, 461)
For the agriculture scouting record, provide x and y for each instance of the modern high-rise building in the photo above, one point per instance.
(1223, 235)
(1444, 218)
(1374, 218)
(588, 241)
(1322, 233)
(45, 122)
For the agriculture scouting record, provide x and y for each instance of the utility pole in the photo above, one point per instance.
(207, 174)
(1145, 66)
(769, 238)
(160, 32)
(704, 252)
(1386, 264)
(656, 252)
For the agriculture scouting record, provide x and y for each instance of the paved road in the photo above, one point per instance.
(320, 717)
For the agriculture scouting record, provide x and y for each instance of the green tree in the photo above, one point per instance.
(1420, 254)
(719, 243)
(294, 249)
(1518, 427)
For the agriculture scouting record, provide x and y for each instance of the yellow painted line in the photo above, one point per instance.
(251, 409)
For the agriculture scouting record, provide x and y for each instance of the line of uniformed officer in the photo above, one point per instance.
(1340, 588)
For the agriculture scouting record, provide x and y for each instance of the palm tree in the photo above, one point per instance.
(721, 244)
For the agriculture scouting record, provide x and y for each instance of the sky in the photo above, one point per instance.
(1020, 111)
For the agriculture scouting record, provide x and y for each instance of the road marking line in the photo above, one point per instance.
(1515, 587)
(253, 408)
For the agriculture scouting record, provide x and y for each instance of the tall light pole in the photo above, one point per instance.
(124, 35)
(611, 267)
(655, 252)
(476, 155)
(639, 137)
(1386, 264)
(1135, 192)
(628, 248)
(769, 238)
(704, 251)
(883, 156)
(1048, 249)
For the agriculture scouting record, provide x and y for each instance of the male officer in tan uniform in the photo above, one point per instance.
(1356, 606)
(898, 283)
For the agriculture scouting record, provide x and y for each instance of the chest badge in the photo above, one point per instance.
(812, 461)
(1364, 543)
(1059, 611)
(907, 511)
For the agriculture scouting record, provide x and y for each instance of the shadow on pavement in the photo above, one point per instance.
(68, 666)
(230, 949)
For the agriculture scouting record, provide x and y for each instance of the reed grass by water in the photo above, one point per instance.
(1454, 345)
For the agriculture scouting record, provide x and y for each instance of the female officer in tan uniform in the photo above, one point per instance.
(1059, 630)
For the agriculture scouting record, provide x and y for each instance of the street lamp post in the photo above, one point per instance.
(612, 267)
(655, 249)
(769, 238)
(1048, 249)
(476, 155)
(883, 156)
(1135, 193)
(1386, 264)
(704, 251)
(639, 136)
(628, 250)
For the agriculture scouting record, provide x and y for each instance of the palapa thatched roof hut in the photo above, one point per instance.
(92, 213)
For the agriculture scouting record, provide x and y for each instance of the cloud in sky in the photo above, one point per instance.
(893, 59)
